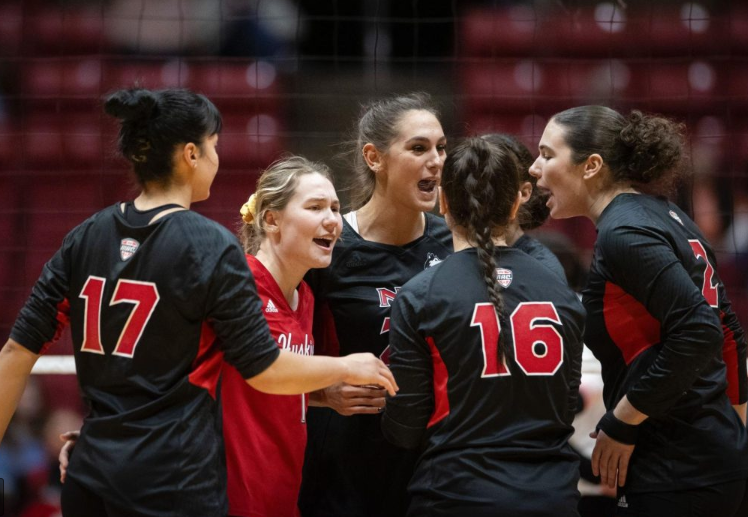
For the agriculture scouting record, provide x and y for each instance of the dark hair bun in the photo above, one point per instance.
(131, 104)
(654, 146)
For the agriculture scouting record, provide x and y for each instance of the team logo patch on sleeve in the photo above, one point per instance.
(127, 248)
(431, 260)
(504, 277)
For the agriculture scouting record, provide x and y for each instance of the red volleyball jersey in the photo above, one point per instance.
(266, 434)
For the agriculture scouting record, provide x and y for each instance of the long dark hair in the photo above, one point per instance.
(378, 125)
(153, 123)
(643, 150)
(480, 183)
(534, 212)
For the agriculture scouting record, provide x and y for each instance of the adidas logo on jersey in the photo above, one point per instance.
(676, 217)
(271, 307)
(355, 261)
(622, 502)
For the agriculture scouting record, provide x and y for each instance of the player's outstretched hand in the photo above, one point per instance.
(609, 457)
(353, 400)
(69, 438)
(366, 369)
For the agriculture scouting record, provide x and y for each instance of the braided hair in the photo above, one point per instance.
(481, 185)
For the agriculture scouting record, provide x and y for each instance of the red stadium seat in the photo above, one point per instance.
(249, 141)
(11, 28)
(598, 30)
(676, 29)
(676, 86)
(65, 140)
(738, 32)
(11, 150)
(154, 74)
(499, 32)
(249, 86)
(59, 31)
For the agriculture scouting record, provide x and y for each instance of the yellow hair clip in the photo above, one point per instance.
(249, 209)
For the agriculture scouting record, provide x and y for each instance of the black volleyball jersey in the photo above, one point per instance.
(152, 311)
(542, 254)
(350, 470)
(659, 322)
(474, 416)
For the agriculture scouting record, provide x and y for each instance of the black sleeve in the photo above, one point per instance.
(407, 413)
(734, 352)
(235, 312)
(645, 266)
(46, 312)
(574, 327)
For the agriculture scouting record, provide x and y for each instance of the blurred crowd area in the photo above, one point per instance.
(290, 76)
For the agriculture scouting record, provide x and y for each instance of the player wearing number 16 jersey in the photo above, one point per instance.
(486, 348)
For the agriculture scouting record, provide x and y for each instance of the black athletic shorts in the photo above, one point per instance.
(724, 500)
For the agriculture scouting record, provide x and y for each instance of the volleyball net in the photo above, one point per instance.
(289, 76)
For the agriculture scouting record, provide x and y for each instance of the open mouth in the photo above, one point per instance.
(427, 185)
(325, 243)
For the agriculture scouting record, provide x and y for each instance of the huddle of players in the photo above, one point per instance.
(485, 348)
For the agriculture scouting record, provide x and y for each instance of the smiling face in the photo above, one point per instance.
(411, 168)
(558, 175)
(309, 225)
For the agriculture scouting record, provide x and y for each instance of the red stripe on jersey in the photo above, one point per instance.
(730, 356)
(63, 318)
(628, 322)
(441, 376)
(325, 335)
(207, 365)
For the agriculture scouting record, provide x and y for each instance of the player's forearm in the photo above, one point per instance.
(741, 410)
(292, 374)
(15, 367)
(627, 413)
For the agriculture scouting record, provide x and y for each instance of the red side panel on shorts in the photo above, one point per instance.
(441, 376)
(629, 324)
(730, 356)
(63, 318)
(325, 335)
(207, 365)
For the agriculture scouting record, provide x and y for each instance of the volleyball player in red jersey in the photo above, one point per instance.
(487, 350)
(350, 470)
(673, 354)
(291, 224)
(154, 293)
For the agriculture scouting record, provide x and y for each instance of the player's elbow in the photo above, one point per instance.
(399, 434)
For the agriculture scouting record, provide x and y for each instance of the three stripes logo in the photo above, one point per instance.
(622, 502)
(271, 307)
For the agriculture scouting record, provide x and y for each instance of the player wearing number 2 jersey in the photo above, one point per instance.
(486, 348)
(673, 354)
(156, 295)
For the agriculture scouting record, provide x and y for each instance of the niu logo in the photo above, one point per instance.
(386, 296)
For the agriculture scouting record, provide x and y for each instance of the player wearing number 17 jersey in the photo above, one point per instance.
(156, 295)
(488, 377)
